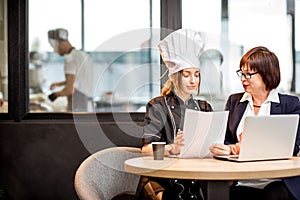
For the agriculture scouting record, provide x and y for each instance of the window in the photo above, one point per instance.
(19, 46)
(228, 36)
(126, 68)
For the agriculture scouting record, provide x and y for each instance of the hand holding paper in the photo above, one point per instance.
(178, 143)
(201, 131)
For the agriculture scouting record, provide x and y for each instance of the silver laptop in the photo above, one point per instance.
(267, 138)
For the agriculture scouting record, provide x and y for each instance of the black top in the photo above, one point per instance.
(165, 115)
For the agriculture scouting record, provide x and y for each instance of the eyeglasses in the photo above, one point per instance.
(246, 76)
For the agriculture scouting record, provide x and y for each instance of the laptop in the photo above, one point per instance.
(269, 137)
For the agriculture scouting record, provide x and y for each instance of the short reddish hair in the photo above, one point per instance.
(266, 63)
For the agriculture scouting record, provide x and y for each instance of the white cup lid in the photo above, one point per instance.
(158, 143)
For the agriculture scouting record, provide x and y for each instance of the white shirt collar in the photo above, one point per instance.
(272, 97)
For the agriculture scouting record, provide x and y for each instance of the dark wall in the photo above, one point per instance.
(39, 158)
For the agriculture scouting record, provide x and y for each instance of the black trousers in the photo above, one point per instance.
(173, 189)
(273, 191)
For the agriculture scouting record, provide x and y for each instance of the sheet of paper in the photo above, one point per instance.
(200, 131)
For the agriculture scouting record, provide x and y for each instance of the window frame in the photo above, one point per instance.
(18, 76)
(18, 71)
(18, 90)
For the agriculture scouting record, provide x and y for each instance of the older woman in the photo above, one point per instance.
(260, 75)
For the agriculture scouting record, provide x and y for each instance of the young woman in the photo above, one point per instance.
(164, 117)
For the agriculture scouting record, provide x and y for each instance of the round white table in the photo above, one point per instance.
(216, 172)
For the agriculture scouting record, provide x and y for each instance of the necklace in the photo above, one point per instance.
(255, 106)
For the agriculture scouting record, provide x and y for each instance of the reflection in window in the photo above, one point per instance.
(125, 64)
(128, 76)
(243, 28)
(205, 16)
(247, 28)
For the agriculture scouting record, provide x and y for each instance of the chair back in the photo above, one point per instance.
(102, 176)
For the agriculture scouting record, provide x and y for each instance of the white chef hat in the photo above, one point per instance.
(58, 34)
(181, 49)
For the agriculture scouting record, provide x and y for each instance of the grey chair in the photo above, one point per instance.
(101, 176)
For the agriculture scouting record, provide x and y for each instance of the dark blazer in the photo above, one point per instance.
(288, 105)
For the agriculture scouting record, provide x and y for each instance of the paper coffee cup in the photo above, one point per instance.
(158, 150)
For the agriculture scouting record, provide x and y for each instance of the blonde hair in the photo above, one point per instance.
(168, 87)
(175, 84)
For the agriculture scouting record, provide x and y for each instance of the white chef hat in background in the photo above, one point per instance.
(58, 34)
(181, 49)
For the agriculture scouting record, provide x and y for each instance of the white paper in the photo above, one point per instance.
(200, 131)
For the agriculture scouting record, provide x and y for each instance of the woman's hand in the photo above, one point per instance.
(223, 150)
(178, 143)
(220, 149)
(234, 148)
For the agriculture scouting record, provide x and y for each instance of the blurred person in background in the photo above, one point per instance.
(78, 85)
